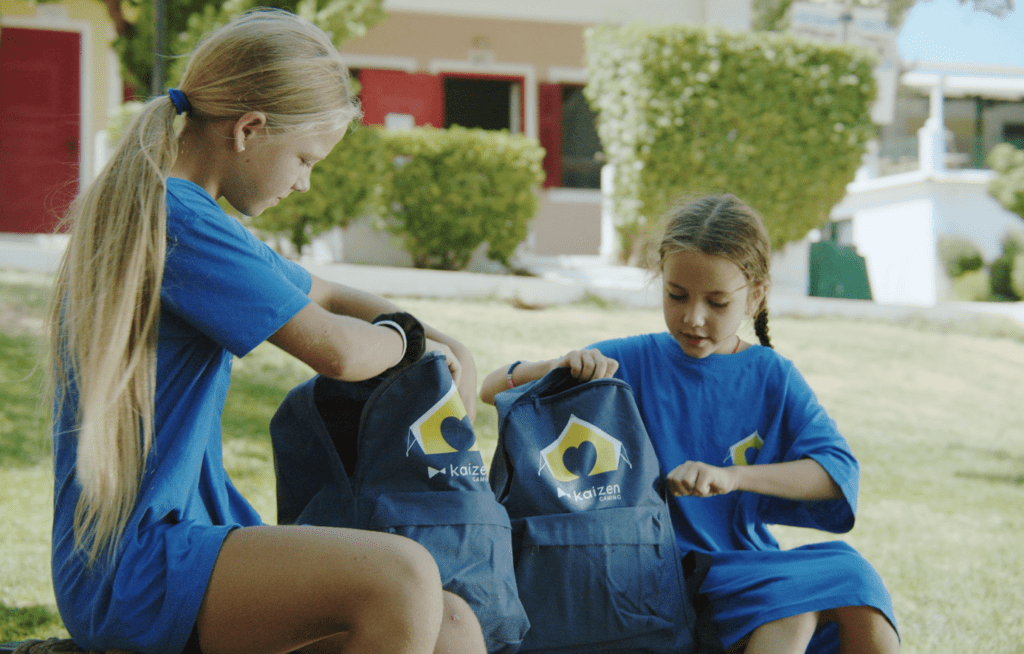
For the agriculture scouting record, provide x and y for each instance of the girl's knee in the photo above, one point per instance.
(410, 573)
(460, 629)
(864, 629)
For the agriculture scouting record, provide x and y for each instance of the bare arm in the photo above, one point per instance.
(795, 480)
(332, 334)
(583, 365)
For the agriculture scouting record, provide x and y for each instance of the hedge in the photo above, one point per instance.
(443, 192)
(781, 122)
(1008, 185)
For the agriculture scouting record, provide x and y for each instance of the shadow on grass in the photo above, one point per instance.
(21, 623)
(989, 458)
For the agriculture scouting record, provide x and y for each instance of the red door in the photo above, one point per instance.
(39, 127)
(396, 92)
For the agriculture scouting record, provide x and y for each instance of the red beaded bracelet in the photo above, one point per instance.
(512, 384)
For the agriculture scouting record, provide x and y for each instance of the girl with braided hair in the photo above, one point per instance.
(743, 443)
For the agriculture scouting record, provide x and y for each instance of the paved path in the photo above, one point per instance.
(626, 285)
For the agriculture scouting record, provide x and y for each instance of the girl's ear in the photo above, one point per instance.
(755, 298)
(246, 126)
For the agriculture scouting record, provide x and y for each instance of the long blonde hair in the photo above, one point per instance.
(105, 310)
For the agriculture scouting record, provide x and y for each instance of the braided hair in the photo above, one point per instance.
(724, 226)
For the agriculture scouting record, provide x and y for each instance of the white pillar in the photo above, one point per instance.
(608, 249)
(931, 138)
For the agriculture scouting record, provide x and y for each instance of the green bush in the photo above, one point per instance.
(778, 121)
(1017, 276)
(1008, 185)
(972, 286)
(959, 255)
(349, 184)
(453, 189)
(1003, 269)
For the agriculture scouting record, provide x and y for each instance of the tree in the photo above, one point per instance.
(187, 20)
(771, 15)
(781, 122)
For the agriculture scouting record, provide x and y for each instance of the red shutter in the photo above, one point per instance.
(549, 98)
(39, 127)
(394, 91)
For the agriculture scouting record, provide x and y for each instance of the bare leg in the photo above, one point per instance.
(460, 630)
(863, 630)
(278, 589)
(784, 636)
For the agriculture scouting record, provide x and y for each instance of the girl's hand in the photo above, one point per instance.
(698, 479)
(588, 364)
(463, 382)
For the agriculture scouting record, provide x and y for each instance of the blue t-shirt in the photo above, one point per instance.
(744, 408)
(223, 293)
(752, 407)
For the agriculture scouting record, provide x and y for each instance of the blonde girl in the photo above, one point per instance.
(744, 443)
(153, 548)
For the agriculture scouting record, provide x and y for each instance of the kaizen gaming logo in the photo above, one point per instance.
(445, 429)
(584, 450)
(745, 452)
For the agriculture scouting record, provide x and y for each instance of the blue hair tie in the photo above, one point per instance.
(180, 101)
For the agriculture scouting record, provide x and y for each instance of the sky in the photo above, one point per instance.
(945, 30)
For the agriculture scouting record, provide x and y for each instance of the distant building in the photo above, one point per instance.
(924, 179)
(516, 66)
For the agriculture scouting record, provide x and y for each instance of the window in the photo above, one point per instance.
(1013, 133)
(568, 132)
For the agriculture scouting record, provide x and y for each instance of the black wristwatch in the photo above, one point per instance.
(415, 338)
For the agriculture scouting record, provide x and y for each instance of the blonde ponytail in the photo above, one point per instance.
(104, 318)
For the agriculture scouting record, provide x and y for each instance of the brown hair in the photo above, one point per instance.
(724, 226)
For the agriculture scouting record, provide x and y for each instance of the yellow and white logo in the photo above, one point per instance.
(738, 452)
(608, 450)
(428, 432)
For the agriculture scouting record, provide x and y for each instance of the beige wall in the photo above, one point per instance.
(567, 226)
(424, 37)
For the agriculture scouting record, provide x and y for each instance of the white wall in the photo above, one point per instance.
(968, 210)
(791, 274)
(733, 14)
(898, 221)
(897, 242)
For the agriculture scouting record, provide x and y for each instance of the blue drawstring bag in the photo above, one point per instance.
(398, 454)
(597, 565)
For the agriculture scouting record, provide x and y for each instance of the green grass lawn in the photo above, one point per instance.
(932, 411)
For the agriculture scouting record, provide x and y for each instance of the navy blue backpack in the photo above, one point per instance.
(398, 454)
(597, 564)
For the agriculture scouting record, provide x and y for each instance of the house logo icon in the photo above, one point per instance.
(738, 451)
(582, 449)
(444, 428)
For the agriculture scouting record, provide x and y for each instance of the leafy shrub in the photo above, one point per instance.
(972, 286)
(1008, 185)
(1003, 269)
(349, 184)
(1000, 276)
(778, 121)
(959, 255)
(1017, 276)
(453, 189)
